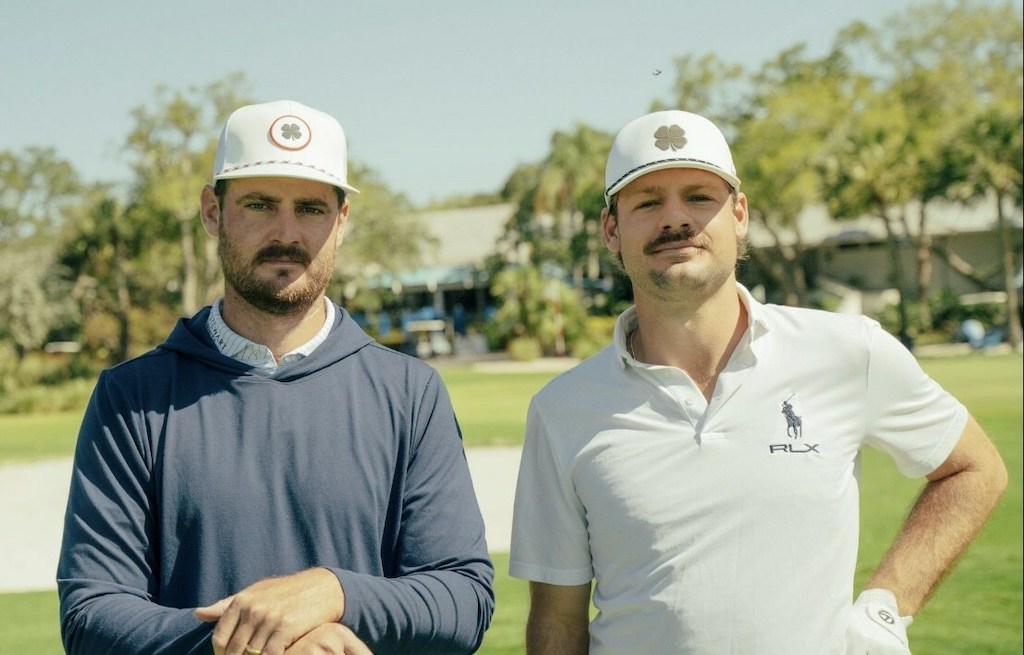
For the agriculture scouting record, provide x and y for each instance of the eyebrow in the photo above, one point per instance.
(256, 195)
(699, 186)
(274, 200)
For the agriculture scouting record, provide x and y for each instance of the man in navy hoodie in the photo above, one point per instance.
(269, 479)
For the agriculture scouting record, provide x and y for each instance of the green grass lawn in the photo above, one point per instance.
(977, 610)
(38, 436)
(491, 410)
(492, 407)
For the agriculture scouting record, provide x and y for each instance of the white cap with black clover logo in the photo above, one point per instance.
(667, 139)
(283, 139)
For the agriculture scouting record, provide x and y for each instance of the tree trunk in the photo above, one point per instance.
(962, 266)
(1013, 328)
(789, 273)
(924, 269)
(189, 275)
(897, 280)
(123, 302)
(190, 272)
(211, 271)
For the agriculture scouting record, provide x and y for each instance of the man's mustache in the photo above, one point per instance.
(283, 253)
(683, 234)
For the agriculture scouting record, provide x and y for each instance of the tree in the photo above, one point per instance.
(381, 237)
(37, 190)
(870, 172)
(955, 71)
(570, 177)
(115, 261)
(172, 148)
(781, 138)
(536, 306)
(33, 299)
(992, 145)
(36, 186)
(707, 86)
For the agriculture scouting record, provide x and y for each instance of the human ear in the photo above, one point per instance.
(209, 210)
(341, 222)
(741, 213)
(610, 229)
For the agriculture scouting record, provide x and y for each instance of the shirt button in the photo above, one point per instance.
(689, 402)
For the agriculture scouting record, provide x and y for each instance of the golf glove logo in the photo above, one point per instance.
(876, 628)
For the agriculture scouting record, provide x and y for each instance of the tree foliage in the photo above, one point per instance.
(38, 190)
(34, 300)
(171, 149)
(112, 265)
(923, 108)
(36, 187)
(537, 306)
(381, 237)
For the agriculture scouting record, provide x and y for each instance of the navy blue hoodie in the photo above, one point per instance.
(196, 475)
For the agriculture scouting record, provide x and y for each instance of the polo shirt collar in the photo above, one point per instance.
(234, 345)
(626, 323)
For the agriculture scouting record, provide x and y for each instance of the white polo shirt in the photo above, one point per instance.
(728, 526)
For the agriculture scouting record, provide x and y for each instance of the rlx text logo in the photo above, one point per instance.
(796, 449)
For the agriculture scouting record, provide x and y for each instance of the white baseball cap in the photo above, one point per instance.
(667, 139)
(283, 139)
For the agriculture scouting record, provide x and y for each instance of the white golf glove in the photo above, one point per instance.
(876, 627)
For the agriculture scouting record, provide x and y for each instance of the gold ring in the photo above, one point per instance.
(252, 651)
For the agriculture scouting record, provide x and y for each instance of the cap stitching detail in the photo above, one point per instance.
(662, 161)
(279, 161)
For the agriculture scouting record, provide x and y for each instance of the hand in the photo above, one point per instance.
(329, 639)
(876, 627)
(269, 616)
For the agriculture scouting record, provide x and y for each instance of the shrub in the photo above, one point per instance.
(598, 332)
(524, 349)
(535, 306)
(71, 395)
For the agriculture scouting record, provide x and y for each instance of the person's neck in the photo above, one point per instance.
(698, 338)
(280, 333)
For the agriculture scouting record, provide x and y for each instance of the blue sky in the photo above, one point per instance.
(439, 97)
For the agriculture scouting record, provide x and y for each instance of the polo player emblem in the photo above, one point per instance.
(794, 424)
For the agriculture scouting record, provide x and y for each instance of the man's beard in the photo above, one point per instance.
(264, 294)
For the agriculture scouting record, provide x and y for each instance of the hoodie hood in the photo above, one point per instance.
(191, 339)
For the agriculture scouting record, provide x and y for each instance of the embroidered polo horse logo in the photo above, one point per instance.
(794, 424)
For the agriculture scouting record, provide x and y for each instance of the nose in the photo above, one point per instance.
(675, 215)
(286, 226)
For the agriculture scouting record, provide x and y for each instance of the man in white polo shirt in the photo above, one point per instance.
(703, 469)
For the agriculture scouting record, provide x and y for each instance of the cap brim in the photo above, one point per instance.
(286, 170)
(670, 163)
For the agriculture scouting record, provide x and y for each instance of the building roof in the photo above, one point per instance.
(817, 227)
(465, 237)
